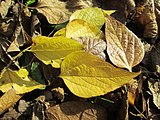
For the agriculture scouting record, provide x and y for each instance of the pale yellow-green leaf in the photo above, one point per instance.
(87, 75)
(53, 48)
(80, 28)
(92, 15)
(18, 80)
(61, 32)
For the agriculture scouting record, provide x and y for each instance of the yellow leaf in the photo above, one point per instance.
(55, 63)
(61, 32)
(87, 75)
(123, 47)
(80, 28)
(92, 15)
(8, 100)
(49, 49)
(108, 12)
(18, 80)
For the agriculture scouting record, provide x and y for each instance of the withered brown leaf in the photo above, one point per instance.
(93, 46)
(8, 99)
(54, 10)
(4, 6)
(153, 85)
(124, 48)
(76, 111)
(148, 19)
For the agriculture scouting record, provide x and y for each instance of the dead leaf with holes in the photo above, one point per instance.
(124, 48)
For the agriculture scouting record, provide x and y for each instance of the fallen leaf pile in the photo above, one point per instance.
(79, 59)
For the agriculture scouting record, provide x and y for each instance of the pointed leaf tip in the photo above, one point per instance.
(87, 75)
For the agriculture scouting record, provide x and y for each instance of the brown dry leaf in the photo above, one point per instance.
(38, 111)
(54, 10)
(76, 111)
(132, 91)
(151, 112)
(93, 46)
(152, 58)
(22, 106)
(157, 12)
(148, 19)
(123, 112)
(35, 26)
(8, 99)
(5, 58)
(157, 4)
(124, 48)
(154, 86)
(7, 27)
(58, 93)
(19, 38)
(26, 12)
(80, 4)
(4, 6)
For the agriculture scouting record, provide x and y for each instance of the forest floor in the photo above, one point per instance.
(33, 84)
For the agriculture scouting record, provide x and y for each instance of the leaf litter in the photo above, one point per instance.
(22, 21)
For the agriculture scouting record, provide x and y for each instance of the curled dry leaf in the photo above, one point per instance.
(58, 93)
(152, 58)
(76, 111)
(148, 19)
(124, 48)
(93, 46)
(5, 58)
(35, 26)
(7, 27)
(153, 85)
(4, 6)
(54, 10)
(8, 99)
(19, 38)
(132, 91)
(157, 12)
(80, 4)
